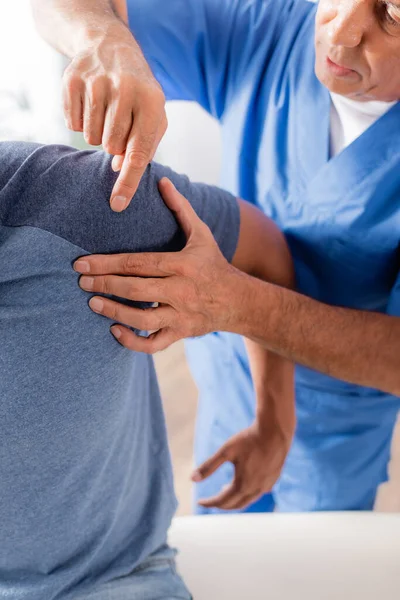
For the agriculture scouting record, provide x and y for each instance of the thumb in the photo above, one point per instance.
(211, 465)
(184, 212)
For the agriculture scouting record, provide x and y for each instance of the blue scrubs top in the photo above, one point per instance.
(250, 63)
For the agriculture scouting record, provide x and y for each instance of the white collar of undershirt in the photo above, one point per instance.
(350, 119)
(373, 109)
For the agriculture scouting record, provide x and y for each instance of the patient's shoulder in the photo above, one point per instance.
(66, 192)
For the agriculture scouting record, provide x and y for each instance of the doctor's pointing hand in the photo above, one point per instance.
(110, 93)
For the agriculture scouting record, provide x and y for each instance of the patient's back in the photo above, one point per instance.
(86, 490)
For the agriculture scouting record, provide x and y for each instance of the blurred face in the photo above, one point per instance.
(358, 48)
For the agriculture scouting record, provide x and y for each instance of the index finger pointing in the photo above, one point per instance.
(139, 153)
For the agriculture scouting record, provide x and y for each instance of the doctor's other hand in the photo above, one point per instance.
(111, 95)
(197, 289)
(258, 455)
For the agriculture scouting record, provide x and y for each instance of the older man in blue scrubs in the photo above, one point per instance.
(307, 99)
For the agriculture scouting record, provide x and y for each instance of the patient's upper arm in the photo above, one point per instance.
(67, 192)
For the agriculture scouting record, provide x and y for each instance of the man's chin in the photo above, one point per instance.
(336, 85)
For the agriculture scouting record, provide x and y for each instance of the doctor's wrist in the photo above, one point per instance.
(248, 302)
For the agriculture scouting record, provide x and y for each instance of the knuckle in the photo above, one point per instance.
(158, 97)
(225, 454)
(132, 290)
(128, 263)
(117, 132)
(97, 84)
(138, 158)
(104, 285)
(92, 138)
(114, 140)
(152, 346)
(124, 83)
(186, 269)
(114, 147)
(154, 95)
(147, 321)
(158, 286)
(114, 311)
(128, 340)
(72, 81)
(159, 322)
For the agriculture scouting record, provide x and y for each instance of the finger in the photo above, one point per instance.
(117, 126)
(117, 162)
(212, 464)
(232, 498)
(221, 499)
(138, 156)
(149, 319)
(131, 288)
(156, 342)
(185, 213)
(242, 501)
(157, 264)
(94, 113)
(73, 91)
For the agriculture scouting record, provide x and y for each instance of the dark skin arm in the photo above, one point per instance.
(356, 346)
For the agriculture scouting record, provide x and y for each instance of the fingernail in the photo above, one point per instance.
(196, 476)
(119, 203)
(96, 304)
(116, 332)
(82, 266)
(86, 283)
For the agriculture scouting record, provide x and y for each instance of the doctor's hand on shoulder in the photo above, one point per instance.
(191, 287)
(196, 289)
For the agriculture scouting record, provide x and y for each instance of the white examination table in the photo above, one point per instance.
(319, 556)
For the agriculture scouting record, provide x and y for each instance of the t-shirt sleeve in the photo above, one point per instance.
(67, 192)
(200, 50)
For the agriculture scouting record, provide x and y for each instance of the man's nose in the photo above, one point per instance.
(350, 23)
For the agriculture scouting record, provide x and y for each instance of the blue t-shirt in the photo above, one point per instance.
(86, 490)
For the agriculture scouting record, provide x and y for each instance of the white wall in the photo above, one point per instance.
(192, 144)
(30, 75)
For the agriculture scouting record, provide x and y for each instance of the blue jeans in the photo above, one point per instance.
(155, 579)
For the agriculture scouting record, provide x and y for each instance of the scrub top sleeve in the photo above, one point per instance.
(200, 50)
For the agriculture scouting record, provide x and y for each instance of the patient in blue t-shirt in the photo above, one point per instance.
(86, 494)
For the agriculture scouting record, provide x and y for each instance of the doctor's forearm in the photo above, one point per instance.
(356, 346)
(70, 26)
